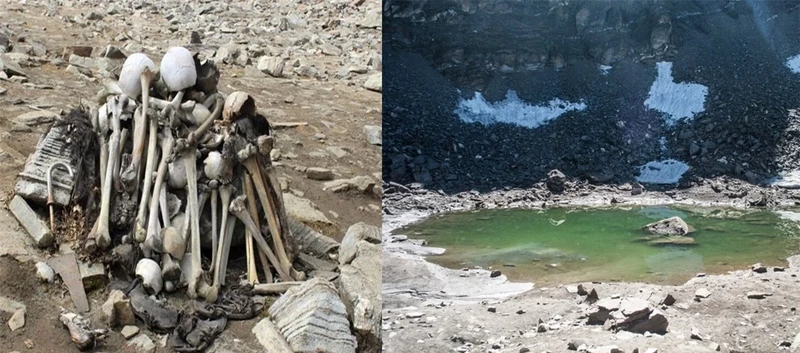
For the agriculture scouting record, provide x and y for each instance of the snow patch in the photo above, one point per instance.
(786, 180)
(512, 110)
(678, 100)
(604, 69)
(793, 64)
(668, 171)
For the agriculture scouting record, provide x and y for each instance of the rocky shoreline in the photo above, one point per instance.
(433, 309)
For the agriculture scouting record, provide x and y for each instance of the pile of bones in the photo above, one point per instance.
(172, 146)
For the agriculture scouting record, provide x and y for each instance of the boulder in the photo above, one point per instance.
(353, 239)
(313, 319)
(655, 322)
(670, 226)
(556, 181)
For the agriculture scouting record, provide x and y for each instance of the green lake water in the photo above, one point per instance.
(574, 245)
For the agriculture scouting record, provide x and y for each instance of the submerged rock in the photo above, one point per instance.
(670, 226)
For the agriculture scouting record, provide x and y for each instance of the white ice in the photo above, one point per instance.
(786, 180)
(677, 100)
(793, 64)
(512, 110)
(604, 69)
(664, 172)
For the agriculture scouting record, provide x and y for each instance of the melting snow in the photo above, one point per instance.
(664, 172)
(678, 100)
(793, 64)
(512, 110)
(604, 69)
(786, 180)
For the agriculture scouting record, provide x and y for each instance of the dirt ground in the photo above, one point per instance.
(335, 110)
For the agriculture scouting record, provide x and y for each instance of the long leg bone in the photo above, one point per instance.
(197, 284)
(225, 192)
(140, 233)
(130, 177)
(167, 145)
(123, 138)
(214, 185)
(252, 275)
(102, 237)
(248, 157)
(253, 208)
(239, 210)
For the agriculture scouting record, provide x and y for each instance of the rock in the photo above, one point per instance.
(84, 62)
(304, 210)
(374, 134)
(605, 349)
(3, 91)
(759, 268)
(651, 350)
(93, 275)
(656, 322)
(10, 67)
(45, 272)
(670, 226)
(414, 315)
(555, 181)
(492, 309)
(17, 320)
(758, 295)
(271, 65)
(142, 343)
(113, 52)
(541, 327)
(35, 118)
(637, 189)
(313, 318)
(634, 309)
(79, 50)
(330, 49)
(129, 331)
(371, 20)
(695, 334)
(702, 293)
(362, 184)
(117, 310)
(592, 297)
(10, 306)
(714, 347)
(315, 173)
(495, 274)
(35, 226)
(355, 235)
(374, 82)
(581, 290)
(267, 334)
(359, 287)
(574, 344)
(668, 300)
(778, 269)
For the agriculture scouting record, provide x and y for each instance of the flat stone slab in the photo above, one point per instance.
(36, 227)
(268, 335)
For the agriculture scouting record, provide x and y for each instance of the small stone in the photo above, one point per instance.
(668, 300)
(695, 335)
(118, 310)
(35, 226)
(374, 82)
(714, 347)
(574, 344)
(582, 290)
(414, 315)
(195, 38)
(93, 275)
(330, 49)
(492, 309)
(3, 91)
(79, 50)
(774, 269)
(651, 350)
(758, 268)
(702, 293)
(45, 272)
(495, 273)
(17, 320)
(524, 350)
(129, 331)
(36, 118)
(143, 344)
(289, 99)
(758, 295)
(374, 133)
(520, 312)
(271, 65)
(322, 174)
